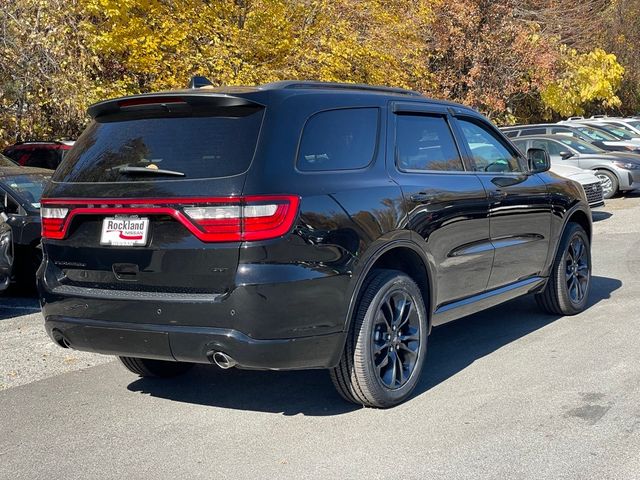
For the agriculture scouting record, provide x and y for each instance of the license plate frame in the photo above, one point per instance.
(124, 231)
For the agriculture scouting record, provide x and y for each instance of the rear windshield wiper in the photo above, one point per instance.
(145, 170)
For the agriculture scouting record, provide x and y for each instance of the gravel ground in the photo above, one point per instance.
(26, 352)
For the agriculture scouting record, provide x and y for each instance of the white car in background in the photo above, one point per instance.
(590, 183)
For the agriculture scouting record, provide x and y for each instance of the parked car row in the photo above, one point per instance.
(610, 147)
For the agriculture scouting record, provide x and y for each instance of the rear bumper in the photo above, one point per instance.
(195, 344)
(287, 323)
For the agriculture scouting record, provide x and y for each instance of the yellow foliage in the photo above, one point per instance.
(587, 78)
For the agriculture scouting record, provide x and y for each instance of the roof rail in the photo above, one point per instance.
(599, 116)
(290, 84)
(575, 118)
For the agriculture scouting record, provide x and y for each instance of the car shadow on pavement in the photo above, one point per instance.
(452, 348)
(598, 215)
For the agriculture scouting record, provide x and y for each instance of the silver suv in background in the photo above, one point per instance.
(617, 171)
(588, 133)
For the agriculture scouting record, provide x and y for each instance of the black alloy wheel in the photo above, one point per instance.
(387, 342)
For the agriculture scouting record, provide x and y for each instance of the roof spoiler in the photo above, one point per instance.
(172, 102)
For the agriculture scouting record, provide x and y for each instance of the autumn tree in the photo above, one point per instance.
(45, 70)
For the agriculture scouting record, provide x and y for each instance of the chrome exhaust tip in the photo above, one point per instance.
(223, 360)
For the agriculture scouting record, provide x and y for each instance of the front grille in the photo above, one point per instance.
(594, 192)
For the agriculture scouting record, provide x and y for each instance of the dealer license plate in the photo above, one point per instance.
(124, 231)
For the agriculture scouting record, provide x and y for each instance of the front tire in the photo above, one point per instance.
(154, 368)
(609, 183)
(387, 342)
(567, 291)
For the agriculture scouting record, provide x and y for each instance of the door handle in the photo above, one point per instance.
(421, 197)
(497, 194)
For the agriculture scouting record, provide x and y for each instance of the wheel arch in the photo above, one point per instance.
(612, 171)
(406, 256)
(578, 214)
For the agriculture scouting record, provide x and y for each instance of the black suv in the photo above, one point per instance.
(299, 225)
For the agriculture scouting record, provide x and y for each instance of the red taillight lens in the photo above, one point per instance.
(246, 218)
(53, 221)
(209, 219)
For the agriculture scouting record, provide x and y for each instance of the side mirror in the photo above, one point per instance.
(538, 160)
(566, 155)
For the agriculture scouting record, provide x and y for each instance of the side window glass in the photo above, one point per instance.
(555, 148)
(511, 133)
(342, 139)
(534, 131)
(425, 142)
(488, 152)
(521, 145)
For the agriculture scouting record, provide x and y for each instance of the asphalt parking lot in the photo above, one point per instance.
(507, 393)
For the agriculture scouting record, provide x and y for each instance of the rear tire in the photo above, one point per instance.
(387, 342)
(567, 290)
(609, 182)
(154, 368)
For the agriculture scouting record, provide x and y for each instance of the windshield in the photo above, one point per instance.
(27, 187)
(579, 145)
(624, 127)
(596, 133)
(614, 130)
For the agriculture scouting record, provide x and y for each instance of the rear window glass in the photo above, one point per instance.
(339, 140)
(190, 147)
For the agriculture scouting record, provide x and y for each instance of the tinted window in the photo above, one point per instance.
(566, 131)
(27, 187)
(43, 158)
(552, 148)
(511, 133)
(425, 143)
(198, 147)
(339, 140)
(533, 131)
(488, 152)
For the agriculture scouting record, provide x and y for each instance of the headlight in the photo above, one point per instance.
(627, 165)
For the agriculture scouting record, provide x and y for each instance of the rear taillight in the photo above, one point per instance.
(250, 218)
(53, 220)
(231, 219)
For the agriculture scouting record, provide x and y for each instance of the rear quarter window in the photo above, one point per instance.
(342, 139)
